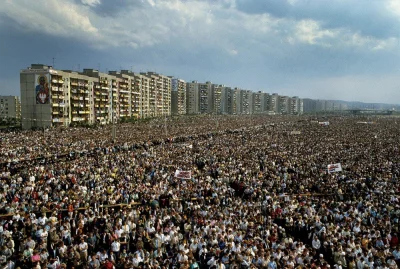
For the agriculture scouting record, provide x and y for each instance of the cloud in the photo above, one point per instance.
(91, 3)
(310, 32)
(59, 18)
(248, 43)
(368, 18)
(206, 23)
(232, 52)
(348, 87)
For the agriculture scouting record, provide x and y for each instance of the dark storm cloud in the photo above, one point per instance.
(369, 18)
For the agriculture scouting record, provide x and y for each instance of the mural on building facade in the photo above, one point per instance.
(42, 90)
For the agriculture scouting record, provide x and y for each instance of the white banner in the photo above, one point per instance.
(183, 174)
(324, 123)
(336, 167)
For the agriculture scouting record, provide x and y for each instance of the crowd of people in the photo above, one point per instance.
(203, 192)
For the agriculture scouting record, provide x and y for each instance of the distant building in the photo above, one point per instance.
(192, 98)
(260, 102)
(309, 105)
(52, 97)
(247, 102)
(295, 106)
(284, 105)
(274, 103)
(160, 94)
(236, 101)
(206, 102)
(178, 96)
(10, 107)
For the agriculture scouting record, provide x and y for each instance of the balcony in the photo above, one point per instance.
(57, 120)
(78, 119)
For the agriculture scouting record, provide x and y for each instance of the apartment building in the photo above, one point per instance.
(178, 96)
(284, 105)
(206, 101)
(52, 97)
(236, 101)
(102, 96)
(247, 102)
(10, 107)
(294, 105)
(274, 103)
(192, 98)
(159, 94)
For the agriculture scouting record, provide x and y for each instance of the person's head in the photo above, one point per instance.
(42, 80)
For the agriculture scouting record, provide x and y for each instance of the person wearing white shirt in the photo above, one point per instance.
(316, 244)
(212, 262)
(42, 220)
(182, 257)
(119, 232)
(193, 246)
(136, 260)
(102, 255)
(126, 228)
(203, 250)
(356, 228)
(151, 229)
(115, 247)
(83, 249)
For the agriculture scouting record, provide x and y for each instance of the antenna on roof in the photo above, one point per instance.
(53, 62)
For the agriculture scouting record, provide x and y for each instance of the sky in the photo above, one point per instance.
(319, 49)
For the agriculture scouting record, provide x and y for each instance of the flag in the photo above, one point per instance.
(183, 174)
(336, 167)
